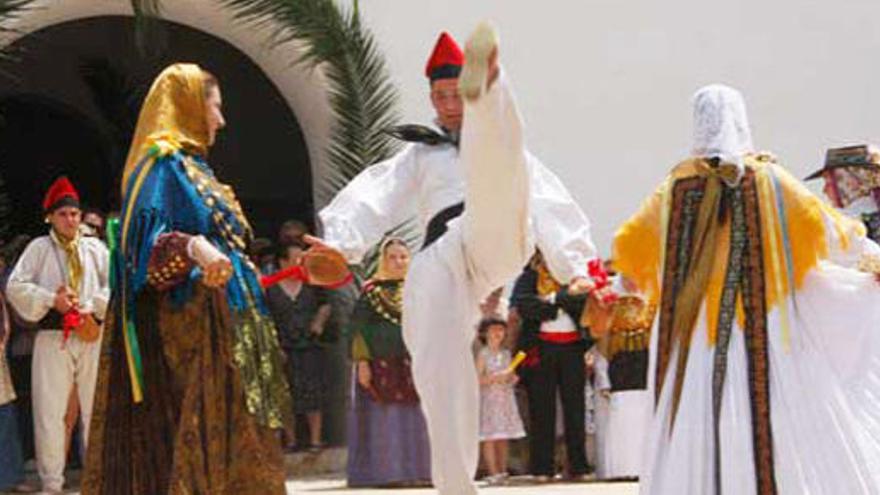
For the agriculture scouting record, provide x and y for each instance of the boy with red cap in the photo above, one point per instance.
(476, 158)
(60, 283)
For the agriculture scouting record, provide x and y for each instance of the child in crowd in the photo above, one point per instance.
(499, 416)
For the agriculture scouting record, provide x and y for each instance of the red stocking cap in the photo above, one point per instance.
(446, 59)
(60, 194)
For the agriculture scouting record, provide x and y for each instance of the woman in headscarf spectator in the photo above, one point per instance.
(387, 436)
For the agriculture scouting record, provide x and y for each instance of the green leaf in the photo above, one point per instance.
(149, 35)
(10, 10)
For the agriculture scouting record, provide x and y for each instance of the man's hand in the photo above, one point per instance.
(365, 376)
(217, 273)
(65, 299)
(580, 285)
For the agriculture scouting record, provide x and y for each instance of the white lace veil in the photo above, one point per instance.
(721, 127)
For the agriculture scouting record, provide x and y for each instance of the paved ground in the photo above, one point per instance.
(337, 487)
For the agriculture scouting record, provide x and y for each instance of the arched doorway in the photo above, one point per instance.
(30, 163)
(83, 81)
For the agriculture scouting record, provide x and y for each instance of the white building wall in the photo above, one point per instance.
(605, 85)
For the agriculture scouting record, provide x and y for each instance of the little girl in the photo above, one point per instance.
(499, 416)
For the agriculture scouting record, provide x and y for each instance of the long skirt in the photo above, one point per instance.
(192, 433)
(627, 415)
(307, 373)
(387, 443)
(824, 384)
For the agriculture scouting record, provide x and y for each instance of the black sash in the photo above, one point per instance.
(52, 321)
(437, 226)
(414, 133)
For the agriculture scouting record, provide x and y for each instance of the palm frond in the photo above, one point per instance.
(149, 35)
(362, 97)
(9, 11)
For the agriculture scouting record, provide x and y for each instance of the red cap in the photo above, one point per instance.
(61, 193)
(446, 59)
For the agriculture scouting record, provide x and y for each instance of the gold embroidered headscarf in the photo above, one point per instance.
(382, 270)
(174, 110)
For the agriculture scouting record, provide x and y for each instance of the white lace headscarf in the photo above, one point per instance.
(721, 127)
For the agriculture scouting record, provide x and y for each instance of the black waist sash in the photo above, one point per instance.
(437, 226)
(52, 321)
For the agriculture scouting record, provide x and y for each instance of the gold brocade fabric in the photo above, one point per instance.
(266, 390)
(193, 433)
(74, 263)
(214, 192)
(174, 108)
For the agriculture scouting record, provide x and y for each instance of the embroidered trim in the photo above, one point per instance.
(756, 341)
(685, 200)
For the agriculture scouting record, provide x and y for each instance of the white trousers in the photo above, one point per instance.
(483, 250)
(57, 366)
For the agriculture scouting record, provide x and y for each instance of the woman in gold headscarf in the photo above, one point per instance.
(387, 436)
(191, 384)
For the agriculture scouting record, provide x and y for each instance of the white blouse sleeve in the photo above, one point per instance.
(561, 228)
(380, 198)
(29, 300)
(101, 298)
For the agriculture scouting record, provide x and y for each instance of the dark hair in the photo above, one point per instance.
(92, 210)
(486, 324)
(260, 247)
(298, 226)
(282, 251)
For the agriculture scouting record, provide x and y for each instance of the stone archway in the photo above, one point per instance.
(91, 67)
(303, 91)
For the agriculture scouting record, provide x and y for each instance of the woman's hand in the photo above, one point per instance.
(316, 328)
(217, 273)
(365, 376)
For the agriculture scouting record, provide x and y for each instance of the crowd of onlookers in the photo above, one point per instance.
(542, 375)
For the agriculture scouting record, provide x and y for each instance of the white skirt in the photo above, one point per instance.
(824, 399)
(627, 421)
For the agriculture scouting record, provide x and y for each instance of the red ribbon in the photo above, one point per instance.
(298, 272)
(533, 357)
(596, 270)
(72, 320)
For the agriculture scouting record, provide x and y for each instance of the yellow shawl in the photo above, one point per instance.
(793, 243)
